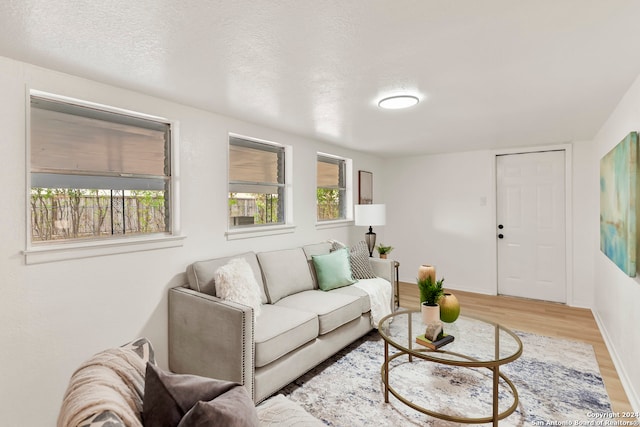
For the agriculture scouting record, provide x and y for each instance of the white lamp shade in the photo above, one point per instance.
(370, 215)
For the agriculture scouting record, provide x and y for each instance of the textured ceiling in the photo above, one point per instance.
(491, 73)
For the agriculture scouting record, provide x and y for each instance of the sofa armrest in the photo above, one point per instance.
(211, 337)
(385, 268)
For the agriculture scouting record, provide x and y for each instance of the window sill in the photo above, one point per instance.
(250, 232)
(334, 224)
(78, 250)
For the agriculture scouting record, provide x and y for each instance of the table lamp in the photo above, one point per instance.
(370, 215)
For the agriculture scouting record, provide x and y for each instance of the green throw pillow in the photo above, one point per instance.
(333, 270)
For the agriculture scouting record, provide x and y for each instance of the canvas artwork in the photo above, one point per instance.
(618, 185)
(365, 185)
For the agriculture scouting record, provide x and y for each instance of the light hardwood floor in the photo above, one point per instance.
(542, 318)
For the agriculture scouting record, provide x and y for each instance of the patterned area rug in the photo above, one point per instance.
(557, 380)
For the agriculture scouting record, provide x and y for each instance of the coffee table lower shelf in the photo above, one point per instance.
(496, 375)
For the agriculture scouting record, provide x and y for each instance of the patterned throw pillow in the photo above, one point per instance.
(335, 245)
(143, 348)
(104, 419)
(360, 265)
(359, 257)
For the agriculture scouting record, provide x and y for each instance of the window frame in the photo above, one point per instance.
(255, 230)
(82, 248)
(348, 192)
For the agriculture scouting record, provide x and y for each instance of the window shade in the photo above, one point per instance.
(328, 173)
(252, 162)
(84, 182)
(69, 139)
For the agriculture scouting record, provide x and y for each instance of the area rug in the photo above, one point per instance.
(557, 380)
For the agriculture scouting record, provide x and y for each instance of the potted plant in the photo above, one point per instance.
(384, 250)
(430, 293)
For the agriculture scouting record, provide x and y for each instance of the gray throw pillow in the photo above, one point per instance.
(231, 409)
(168, 397)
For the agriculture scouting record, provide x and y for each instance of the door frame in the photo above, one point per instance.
(568, 211)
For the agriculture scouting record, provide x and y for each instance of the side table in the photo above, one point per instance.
(396, 266)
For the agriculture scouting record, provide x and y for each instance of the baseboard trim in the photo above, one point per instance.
(632, 394)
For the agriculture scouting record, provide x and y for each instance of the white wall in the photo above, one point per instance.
(441, 212)
(446, 217)
(586, 228)
(55, 315)
(617, 296)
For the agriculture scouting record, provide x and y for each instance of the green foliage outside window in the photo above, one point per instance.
(328, 203)
(67, 213)
(253, 208)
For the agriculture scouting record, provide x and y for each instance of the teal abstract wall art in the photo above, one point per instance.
(618, 186)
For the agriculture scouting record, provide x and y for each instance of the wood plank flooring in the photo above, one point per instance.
(542, 318)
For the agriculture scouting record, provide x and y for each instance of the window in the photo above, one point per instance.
(256, 183)
(331, 191)
(96, 172)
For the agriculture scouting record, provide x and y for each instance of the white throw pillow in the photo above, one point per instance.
(235, 282)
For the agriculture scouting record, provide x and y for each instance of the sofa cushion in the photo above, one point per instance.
(322, 248)
(201, 274)
(235, 281)
(355, 291)
(333, 309)
(171, 400)
(285, 272)
(333, 270)
(279, 330)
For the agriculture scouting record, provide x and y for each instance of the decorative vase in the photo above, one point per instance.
(430, 313)
(425, 271)
(383, 256)
(449, 308)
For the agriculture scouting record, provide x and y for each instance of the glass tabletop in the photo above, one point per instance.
(477, 342)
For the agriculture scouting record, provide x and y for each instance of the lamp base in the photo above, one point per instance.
(370, 238)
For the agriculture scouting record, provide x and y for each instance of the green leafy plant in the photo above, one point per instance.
(430, 291)
(383, 250)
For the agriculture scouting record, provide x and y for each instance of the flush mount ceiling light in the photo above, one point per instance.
(397, 102)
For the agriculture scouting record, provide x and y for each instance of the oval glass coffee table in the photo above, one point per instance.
(477, 343)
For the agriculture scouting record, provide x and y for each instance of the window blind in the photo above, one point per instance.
(329, 172)
(75, 146)
(255, 167)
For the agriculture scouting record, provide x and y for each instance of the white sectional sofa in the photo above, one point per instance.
(298, 327)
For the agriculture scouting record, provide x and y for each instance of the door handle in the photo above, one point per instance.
(500, 236)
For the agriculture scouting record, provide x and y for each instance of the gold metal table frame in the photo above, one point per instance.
(457, 359)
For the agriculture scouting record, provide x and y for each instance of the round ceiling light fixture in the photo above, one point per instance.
(398, 102)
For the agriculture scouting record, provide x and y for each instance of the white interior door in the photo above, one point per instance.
(531, 225)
